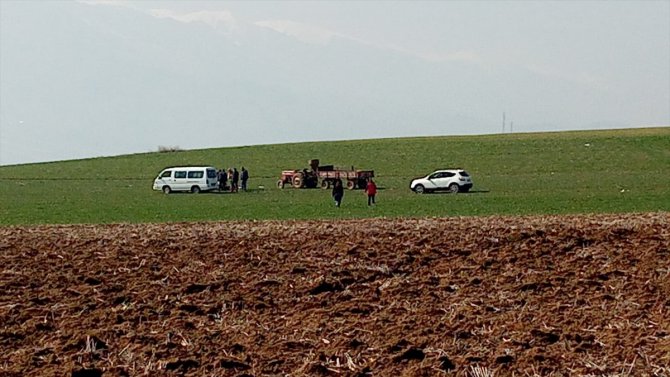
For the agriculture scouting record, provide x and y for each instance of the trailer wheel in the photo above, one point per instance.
(351, 185)
(280, 183)
(325, 184)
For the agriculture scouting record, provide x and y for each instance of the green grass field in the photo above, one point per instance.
(611, 171)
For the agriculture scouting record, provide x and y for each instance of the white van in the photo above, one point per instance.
(189, 178)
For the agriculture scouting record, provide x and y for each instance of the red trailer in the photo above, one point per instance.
(351, 178)
(324, 177)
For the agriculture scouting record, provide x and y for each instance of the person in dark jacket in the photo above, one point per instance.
(236, 180)
(244, 178)
(338, 192)
(219, 178)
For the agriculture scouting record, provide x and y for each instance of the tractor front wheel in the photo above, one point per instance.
(297, 181)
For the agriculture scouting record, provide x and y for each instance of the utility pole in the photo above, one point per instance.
(511, 127)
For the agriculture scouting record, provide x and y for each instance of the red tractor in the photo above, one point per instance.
(324, 177)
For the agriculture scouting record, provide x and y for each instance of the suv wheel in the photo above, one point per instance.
(419, 189)
(453, 188)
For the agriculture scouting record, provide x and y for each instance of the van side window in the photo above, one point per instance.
(180, 174)
(196, 174)
(166, 174)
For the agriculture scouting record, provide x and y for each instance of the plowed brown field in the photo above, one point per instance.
(503, 296)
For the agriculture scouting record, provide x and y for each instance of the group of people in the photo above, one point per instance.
(233, 177)
(233, 180)
(338, 192)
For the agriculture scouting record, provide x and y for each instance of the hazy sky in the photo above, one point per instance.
(84, 79)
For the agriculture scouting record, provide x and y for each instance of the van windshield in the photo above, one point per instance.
(166, 174)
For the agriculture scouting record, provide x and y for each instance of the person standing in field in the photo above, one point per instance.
(244, 178)
(338, 192)
(230, 177)
(236, 180)
(224, 180)
(371, 190)
(219, 178)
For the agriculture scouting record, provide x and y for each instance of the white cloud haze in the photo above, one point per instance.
(302, 32)
(216, 19)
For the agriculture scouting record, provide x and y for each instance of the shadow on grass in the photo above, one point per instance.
(471, 192)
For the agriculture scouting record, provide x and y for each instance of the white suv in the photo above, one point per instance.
(452, 180)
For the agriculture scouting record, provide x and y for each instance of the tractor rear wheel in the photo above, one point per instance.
(280, 184)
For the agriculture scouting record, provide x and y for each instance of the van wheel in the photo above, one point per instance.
(167, 189)
(195, 189)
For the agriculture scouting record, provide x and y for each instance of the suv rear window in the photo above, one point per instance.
(464, 173)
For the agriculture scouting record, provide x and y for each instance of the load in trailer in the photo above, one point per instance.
(324, 176)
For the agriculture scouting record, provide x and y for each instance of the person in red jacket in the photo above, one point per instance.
(371, 190)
